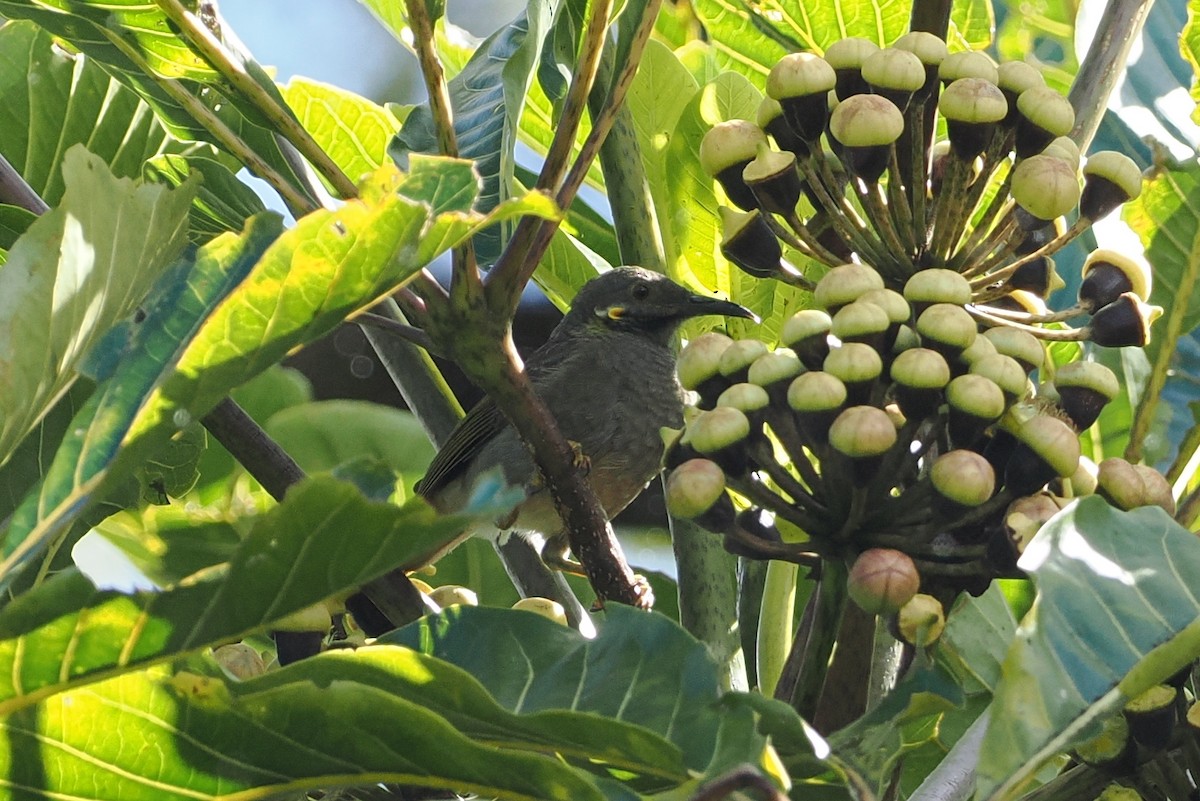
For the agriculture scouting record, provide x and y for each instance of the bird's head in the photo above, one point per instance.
(635, 300)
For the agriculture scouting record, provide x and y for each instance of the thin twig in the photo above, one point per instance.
(16, 192)
(297, 202)
(406, 332)
(435, 77)
(232, 70)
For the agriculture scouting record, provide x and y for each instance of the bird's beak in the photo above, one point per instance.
(701, 305)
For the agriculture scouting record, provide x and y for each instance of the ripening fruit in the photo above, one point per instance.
(545, 607)
(449, 595)
(882, 580)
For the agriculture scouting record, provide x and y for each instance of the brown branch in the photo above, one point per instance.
(743, 777)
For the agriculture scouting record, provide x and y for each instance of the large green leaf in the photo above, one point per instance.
(1116, 612)
(78, 270)
(641, 669)
(150, 47)
(67, 632)
(340, 719)
(181, 300)
(53, 101)
(487, 98)
(222, 204)
(751, 37)
(1043, 34)
(351, 129)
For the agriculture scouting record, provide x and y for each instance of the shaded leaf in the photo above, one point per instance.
(67, 632)
(334, 720)
(641, 669)
(78, 270)
(223, 203)
(1116, 612)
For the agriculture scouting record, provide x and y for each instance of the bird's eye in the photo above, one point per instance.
(641, 290)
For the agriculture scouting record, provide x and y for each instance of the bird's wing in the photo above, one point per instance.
(481, 424)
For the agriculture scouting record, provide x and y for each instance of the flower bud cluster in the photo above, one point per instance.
(842, 165)
(896, 435)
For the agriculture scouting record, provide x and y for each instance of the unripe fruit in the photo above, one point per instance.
(718, 429)
(806, 332)
(922, 620)
(847, 57)
(773, 178)
(736, 360)
(863, 434)
(895, 74)
(1045, 187)
(858, 366)
(1006, 371)
(882, 580)
(919, 375)
(1119, 483)
(1013, 78)
(946, 328)
(972, 108)
(1064, 147)
(694, 487)
(967, 64)
(800, 82)
(1157, 488)
(866, 125)
(699, 366)
(240, 660)
(936, 285)
(843, 284)
(816, 398)
(1110, 179)
(1021, 345)
(861, 322)
(545, 607)
(1084, 389)
(770, 118)
(981, 346)
(963, 477)
(773, 368)
(449, 595)
(974, 403)
(724, 153)
(749, 398)
(1025, 517)
(1047, 447)
(1043, 115)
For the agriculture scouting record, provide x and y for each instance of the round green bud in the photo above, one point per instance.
(854, 363)
(771, 368)
(925, 46)
(866, 121)
(1042, 115)
(1109, 179)
(1054, 441)
(861, 321)
(968, 64)
(700, 359)
(728, 144)
(892, 303)
(921, 621)
(816, 392)
(921, 368)
(807, 333)
(894, 73)
(1021, 345)
(1045, 187)
(1064, 148)
(800, 75)
(551, 610)
(843, 284)
(736, 359)
(862, 432)
(1108, 274)
(882, 580)
(974, 100)
(1014, 77)
(980, 347)
(937, 285)
(718, 428)
(963, 477)
(1005, 371)
(946, 328)
(449, 595)
(976, 396)
(694, 487)
(1084, 389)
(239, 660)
(747, 397)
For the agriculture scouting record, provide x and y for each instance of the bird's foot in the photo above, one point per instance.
(556, 556)
(581, 460)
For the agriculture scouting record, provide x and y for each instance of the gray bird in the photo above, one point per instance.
(607, 373)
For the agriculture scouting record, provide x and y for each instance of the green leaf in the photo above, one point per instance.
(14, 221)
(335, 720)
(78, 270)
(223, 203)
(169, 543)
(53, 101)
(486, 97)
(68, 632)
(641, 669)
(1116, 612)
(149, 46)
(181, 300)
(1043, 34)
(1189, 46)
(354, 131)
(750, 37)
